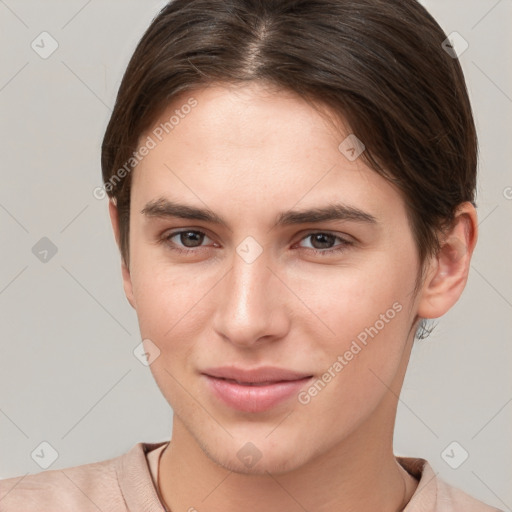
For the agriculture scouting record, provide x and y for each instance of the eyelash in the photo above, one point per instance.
(321, 252)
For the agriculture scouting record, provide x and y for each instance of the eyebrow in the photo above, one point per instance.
(164, 208)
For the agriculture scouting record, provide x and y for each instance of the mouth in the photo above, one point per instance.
(254, 390)
(265, 383)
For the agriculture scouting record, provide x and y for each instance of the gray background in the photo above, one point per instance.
(68, 375)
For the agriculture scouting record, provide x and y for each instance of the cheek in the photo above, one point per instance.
(361, 360)
(172, 301)
(347, 300)
(368, 312)
(165, 299)
(170, 314)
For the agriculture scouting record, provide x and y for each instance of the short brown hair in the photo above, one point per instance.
(379, 64)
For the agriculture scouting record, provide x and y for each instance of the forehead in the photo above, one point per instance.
(245, 117)
(255, 145)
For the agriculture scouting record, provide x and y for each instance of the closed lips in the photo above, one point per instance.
(253, 390)
(255, 376)
(264, 383)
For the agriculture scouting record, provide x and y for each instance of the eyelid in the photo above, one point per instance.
(340, 236)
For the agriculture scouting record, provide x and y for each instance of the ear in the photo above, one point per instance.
(449, 269)
(127, 280)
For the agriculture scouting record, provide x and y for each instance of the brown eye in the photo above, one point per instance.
(322, 240)
(325, 243)
(191, 238)
(185, 240)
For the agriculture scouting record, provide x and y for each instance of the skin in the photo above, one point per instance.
(248, 153)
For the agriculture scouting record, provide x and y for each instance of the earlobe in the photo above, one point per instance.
(449, 269)
(127, 280)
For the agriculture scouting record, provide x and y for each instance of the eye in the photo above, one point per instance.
(186, 240)
(324, 243)
(190, 241)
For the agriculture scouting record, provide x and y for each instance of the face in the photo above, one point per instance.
(273, 272)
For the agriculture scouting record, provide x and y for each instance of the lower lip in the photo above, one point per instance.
(254, 398)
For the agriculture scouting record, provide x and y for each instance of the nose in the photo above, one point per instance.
(251, 303)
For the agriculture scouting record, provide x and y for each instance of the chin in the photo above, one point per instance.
(257, 458)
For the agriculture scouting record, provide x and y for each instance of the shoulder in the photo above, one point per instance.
(435, 495)
(453, 499)
(95, 486)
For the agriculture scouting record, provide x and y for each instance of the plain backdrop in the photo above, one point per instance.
(68, 375)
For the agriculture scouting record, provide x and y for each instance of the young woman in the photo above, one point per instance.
(292, 191)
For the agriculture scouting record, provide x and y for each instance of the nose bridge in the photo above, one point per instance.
(248, 307)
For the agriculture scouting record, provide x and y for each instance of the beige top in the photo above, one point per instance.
(127, 484)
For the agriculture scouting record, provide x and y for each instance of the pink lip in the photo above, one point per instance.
(274, 385)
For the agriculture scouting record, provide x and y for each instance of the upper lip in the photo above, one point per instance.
(261, 374)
